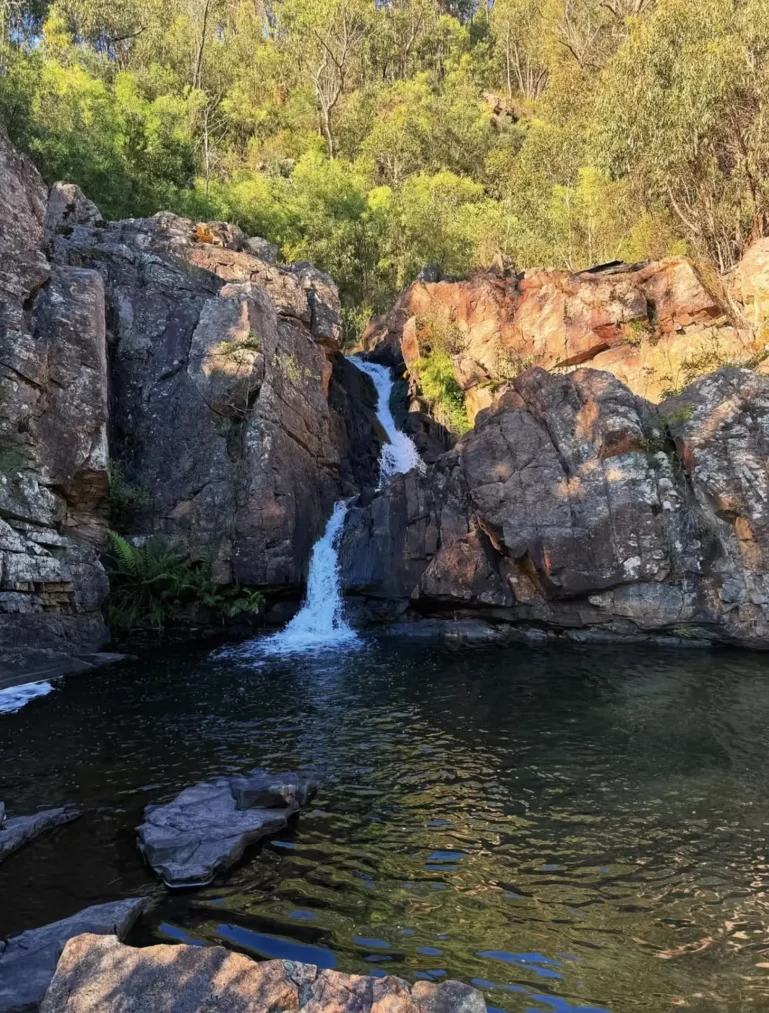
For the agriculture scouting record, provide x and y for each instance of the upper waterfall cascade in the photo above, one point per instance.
(400, 455)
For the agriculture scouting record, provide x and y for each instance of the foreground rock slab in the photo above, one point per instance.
(97, 974)
(15, 833)
(206, 828)
(28, 961)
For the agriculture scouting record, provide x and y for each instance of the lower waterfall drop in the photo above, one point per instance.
(320, 622)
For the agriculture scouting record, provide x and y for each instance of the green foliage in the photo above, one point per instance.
(238, 351)
(125, 499)
(439, 386)
(154, 585)
(678, 417)
(377, 138)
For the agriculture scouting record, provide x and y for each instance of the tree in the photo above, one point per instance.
(519, 32)
(684, 110)
(325, 36)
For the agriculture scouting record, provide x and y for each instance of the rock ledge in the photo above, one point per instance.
(98, 973)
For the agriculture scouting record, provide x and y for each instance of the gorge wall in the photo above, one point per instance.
(576, 509)
(53, 434)
(655, 326)
(170, 377)
(170, 374)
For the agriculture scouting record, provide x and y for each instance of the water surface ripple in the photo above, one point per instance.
(571, 831)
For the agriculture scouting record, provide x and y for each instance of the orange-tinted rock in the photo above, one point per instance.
(97, 974)
(655, 326)
(750, 283)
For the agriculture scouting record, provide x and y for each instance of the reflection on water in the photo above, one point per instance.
(570, 831)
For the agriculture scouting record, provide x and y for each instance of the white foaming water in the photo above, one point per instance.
(399, 455)
(320, 623)
(16, 697)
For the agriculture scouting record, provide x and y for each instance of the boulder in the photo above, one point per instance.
(28, 961)
(100, 973)
(68, 206)
(20, 830)
(207, 828)
(264, 250)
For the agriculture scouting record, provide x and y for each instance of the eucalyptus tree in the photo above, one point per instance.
(684, 111)
(325, 37)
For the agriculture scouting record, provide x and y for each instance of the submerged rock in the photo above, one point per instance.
(16, 832)
(206, 828)
(28, 961)
(98, 973)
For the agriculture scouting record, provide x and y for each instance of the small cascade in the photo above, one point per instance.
(320, 623)
(400, 454)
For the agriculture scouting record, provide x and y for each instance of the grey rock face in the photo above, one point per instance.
(68, 206)
(53, 424)
(98, 973)
(28, 961)
(578, 508)
(16, 832)
(222, 393)
(206, 829)
(264, 250)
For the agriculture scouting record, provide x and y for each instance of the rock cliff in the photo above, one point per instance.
(170, 373)
(576, 508)
(53, 432)
(173, 373)
(235, 421)
(656, 326)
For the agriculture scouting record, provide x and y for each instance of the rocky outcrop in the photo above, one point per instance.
(576, 508)
(233, 418)
(234, 422)
(53, 430)
(207, 828)
(98, 973)
(656, 327)
(28, 961)
(16, 832)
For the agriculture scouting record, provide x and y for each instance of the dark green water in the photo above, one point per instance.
(570, 830)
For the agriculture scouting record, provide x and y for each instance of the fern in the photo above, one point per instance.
(154, 585)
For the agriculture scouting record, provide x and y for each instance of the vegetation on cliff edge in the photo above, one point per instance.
(373, 138)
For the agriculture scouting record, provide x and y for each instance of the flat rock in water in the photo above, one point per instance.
(28, 961)
(206, 829)
(97, 973)
(22, 829)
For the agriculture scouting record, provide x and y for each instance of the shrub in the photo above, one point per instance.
(443, 393)
(125, 499)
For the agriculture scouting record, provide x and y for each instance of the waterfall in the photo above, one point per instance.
(399, 455)
(320, 623)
